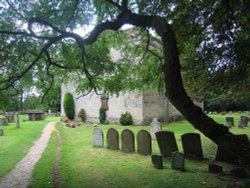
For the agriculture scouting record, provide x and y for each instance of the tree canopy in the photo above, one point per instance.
(207, 39)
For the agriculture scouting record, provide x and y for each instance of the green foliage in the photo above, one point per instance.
(102, 115)
(69, 105)
(82, 114)
(126, 119)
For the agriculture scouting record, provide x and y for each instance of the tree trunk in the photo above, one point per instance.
(176, 93)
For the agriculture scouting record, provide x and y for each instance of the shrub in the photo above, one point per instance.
(82, 115)
(102, 115)
(126, 119)
(69, 105)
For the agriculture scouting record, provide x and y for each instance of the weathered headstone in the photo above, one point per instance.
(3, 121)
(166, 142)
(229, 122)
(177, 161)
(10, 117)
(112, 139)
(144, 142)
(1, 132)
(157, 161)
(155, 127)
(97, 137)
(192, 147)
(17, 120)
(128, 141)
(243, 121)
(227, 156)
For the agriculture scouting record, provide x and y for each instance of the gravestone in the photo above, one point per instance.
(128, 141)
(112, 139)
(144, 142)
(17, 120)
(155, 127)
(229, 122)
(177, 161)
(243, 121)
(157, 161)
(10, 117)
(192, 148)
(3, 121)
(97, 137)
(166, 142)
(225, 155)
(1, 132)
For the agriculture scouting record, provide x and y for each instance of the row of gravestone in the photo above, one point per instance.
(243, 122)
(166, 141)
(127, 138)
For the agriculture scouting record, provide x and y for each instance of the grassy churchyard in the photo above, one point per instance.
(82, 165)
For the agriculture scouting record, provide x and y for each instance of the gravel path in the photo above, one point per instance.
(21, 175)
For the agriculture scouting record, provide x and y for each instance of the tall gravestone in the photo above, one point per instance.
(97, 137)
(128, 141)
(17, 120)
(155, 127)
(177, 161)
(144, 142)
(229, 122)
(112, 139)
(192, 147)
(166, 142)
(1, 132)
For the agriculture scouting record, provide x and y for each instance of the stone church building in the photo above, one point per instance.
(143, 106)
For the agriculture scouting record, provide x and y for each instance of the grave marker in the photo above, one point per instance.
(97, 137)
(166, 142)
(229, 122)
(128, 141)
(177, 161)
(112, 139)
(144, 142)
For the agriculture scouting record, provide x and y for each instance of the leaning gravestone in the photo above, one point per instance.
(166, 142)
(128, 141)
(3, 121)
(144, 142)
(112, 139)
(177, 161)
(192, 148)
(1, 132)
(243, 121)
(229, 122)
(97, 137)
(155, 127)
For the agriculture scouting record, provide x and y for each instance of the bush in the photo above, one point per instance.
(102, 115)
(126, 119)
(82, 115)
(69, 105)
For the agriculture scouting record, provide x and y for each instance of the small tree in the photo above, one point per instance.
(82, 114)
(102, 115)
(126, 119)
(69, 105)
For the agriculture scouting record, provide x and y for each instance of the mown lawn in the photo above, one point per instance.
(82, 165)
(15, 143)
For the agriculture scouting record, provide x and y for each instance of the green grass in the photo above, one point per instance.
(16, 141)
(82, 165)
